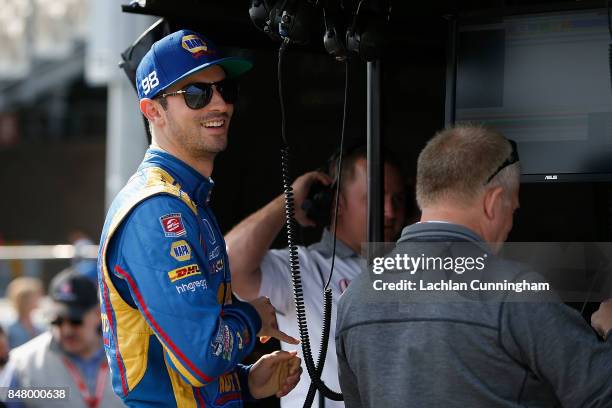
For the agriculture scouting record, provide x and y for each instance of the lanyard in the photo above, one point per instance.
(90, 401)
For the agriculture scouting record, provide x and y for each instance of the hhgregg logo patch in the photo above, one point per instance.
(180, 250)
(184, 272)
(195, 45)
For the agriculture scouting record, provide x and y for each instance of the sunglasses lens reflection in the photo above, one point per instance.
(199, 95)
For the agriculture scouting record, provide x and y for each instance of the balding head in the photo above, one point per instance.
(470, 175)
(458, 163)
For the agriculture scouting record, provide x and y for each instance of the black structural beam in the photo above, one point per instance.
(375, 164)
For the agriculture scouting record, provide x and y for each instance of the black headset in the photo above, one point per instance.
(318, 205)
(333, 39)
(293, 21)
(260, 15)
(364, 38)
(366, 35)
(284, 20)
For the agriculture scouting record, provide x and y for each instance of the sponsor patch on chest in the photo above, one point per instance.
(172, 224)
(180, 250)
(184, 272)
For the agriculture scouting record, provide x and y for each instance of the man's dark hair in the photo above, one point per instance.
(148, 127)
(162, 101)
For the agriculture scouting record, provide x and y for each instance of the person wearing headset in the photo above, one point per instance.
(258, 270)
(173, 333)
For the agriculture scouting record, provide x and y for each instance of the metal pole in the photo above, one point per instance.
(375, 165)
(126, 140)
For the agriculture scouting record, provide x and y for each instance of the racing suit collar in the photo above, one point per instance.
(197, 187)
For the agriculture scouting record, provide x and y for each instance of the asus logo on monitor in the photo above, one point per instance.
(553, 177)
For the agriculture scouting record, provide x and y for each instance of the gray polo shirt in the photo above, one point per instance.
(469, 354)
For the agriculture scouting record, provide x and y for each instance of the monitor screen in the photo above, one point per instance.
(542, 80)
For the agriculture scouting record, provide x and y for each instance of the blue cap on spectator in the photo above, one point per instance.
(179, 55)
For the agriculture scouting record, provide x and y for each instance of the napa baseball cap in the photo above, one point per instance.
(179, 55)
(73, 295)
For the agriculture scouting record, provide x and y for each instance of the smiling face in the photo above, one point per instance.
(203, 132)
(195, 136)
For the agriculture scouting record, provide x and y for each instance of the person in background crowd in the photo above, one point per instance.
(24, 294)
(69, 355)
(5, 369)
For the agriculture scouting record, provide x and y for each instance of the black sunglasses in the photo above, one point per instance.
(199, 94)
(58, 321)
(513, 158)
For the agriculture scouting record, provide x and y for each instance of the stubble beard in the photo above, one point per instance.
(194, 140)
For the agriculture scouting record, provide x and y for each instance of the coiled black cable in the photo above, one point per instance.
(312, 390)
(313, 371)
(327, 293)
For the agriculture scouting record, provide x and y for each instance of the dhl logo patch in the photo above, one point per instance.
(183, 272)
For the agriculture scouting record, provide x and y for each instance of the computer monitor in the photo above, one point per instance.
(542, 80)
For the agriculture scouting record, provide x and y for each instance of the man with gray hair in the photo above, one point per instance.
(468, 353)
(469, 165)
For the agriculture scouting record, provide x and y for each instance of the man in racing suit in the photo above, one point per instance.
(173, 334)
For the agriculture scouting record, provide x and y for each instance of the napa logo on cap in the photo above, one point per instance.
(195, 45)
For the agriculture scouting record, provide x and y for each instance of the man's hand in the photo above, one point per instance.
(301, 187)
(269, 326)
(601, 320)
(275, 374)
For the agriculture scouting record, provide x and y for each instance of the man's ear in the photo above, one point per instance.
(492, 199)
(152, 110)
(341, 203)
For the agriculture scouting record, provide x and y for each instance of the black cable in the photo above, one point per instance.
(312, 389)
(313, 372)
(279, 73)
(327, 294)
(339, 168)
(325, 18)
